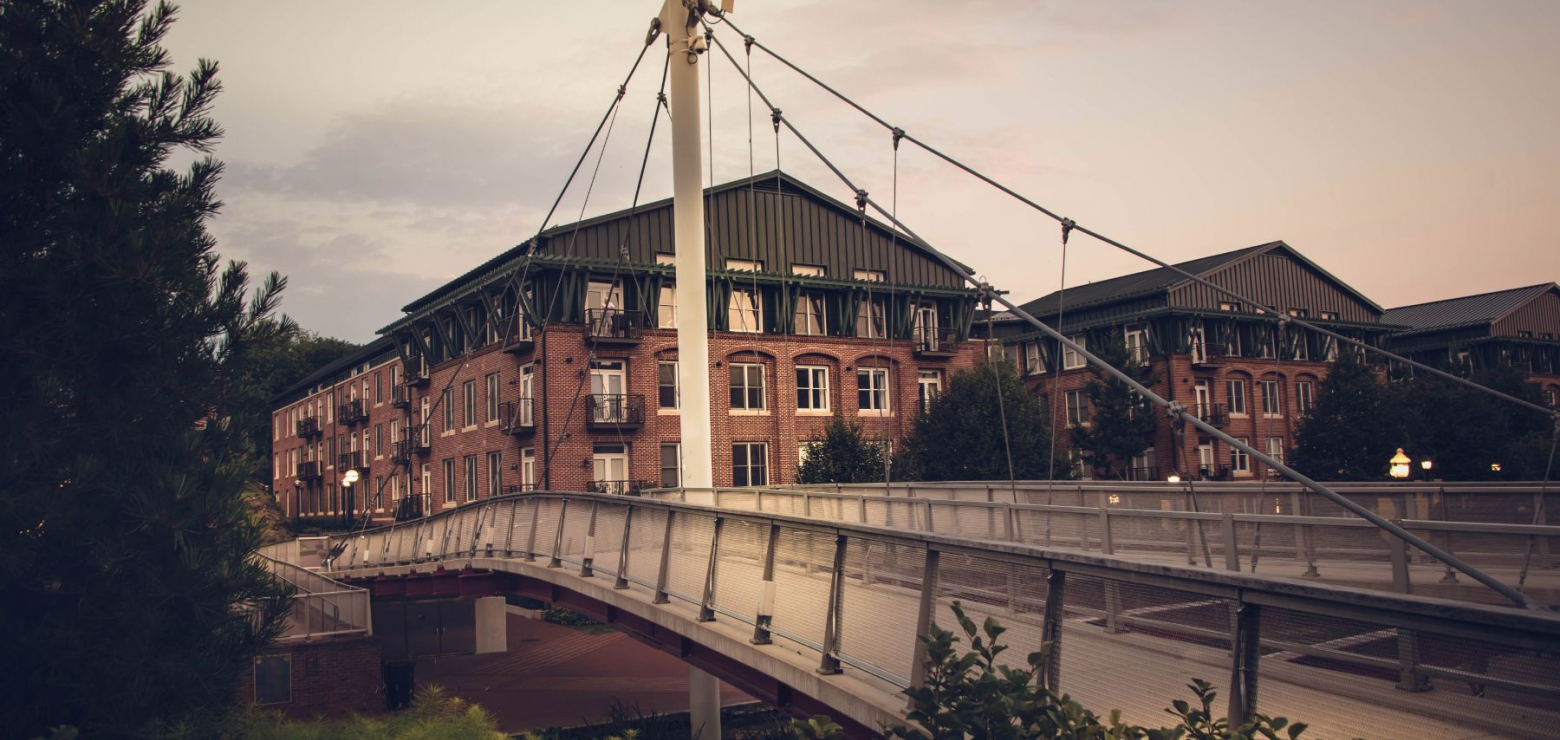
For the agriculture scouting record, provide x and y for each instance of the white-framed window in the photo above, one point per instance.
(1230, 306)
(379, 440)
(609, 467)
(671, 464)
(805, 450)
(1304, 398)
(1032, 361)
(798, 268)
(427, 481)
(448, 402)
(492, 396)
(744, 312)
(395, 431)
(666, 307)
(527, 468)
(665, 258)
(1235, 391)
(1240, 462)
(872, 389)
(601, 294)
(495, 326)
(871, 319)
(1328, 315)
(1272, 403)
(744, 265)
(1073, 359)
(871, 276)
(471, 478)
(810, 315)
(1137, 345)
(747, 386)
(1298, 313)
(469, 392)
(495, 471)
(929, 387)
(449, 480)
(379, 388)
(1077, 408)
(1014, 354)
(1275, 448)
(812, 388)
(666, 384)
(527, 384)
(750, 464)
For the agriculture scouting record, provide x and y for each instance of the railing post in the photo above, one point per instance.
(1231, 545)
(588, 562)
(1112, 588)
(1009, 531)
(806, 504)
(563, 515)
(1107, 543)
(661, 597)
(715, 497)
(707, 599)
(1051, 634)
(536, 518)
(861, 503)
(1409, 678)
(923, 618)
(622, 569)
(766, 598)
(1303, 551)
(509, 539)
(1246, 650)
(830, 664)
(929, 527)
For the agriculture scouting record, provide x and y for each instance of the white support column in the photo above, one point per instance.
(703, 704)
(693, 350)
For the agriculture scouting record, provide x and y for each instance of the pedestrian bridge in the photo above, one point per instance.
(818, 615)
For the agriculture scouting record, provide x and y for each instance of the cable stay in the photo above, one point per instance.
(1266, 311)
(1175, 409)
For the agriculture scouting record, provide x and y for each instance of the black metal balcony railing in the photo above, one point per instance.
(1216, 472)
(311, 470)
(352, 412)
(521, 488)
(517, 417)
(1213, 413)
(1208, 353)
(417, 375)
(411, 507)
(401, 396)
(400, 451)
(352, 461)
(620, 411)
(1150, 472)
(938, 342)
(613, 325)
(413, 441)
(308, 427)
(519, 338)
(619, 487)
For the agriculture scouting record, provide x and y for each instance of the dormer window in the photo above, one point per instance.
(808, 270)
(871, 276)
(744, 265)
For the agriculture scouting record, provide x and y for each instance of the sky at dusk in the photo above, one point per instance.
(376, 150)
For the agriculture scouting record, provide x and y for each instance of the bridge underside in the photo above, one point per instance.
(784, 679)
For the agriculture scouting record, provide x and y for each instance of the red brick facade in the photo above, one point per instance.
(330, 678)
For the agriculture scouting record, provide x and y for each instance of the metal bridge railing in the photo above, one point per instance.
(1233, 528)
(1122, 631)
(321, 606)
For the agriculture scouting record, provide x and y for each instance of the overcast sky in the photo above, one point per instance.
(376, 150)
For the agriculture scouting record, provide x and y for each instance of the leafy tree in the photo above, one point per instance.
(960, 435)
(1464, 430)
(273, 369)
(1122, 423)
(843, 453)
(130, 595)
(1353, 430)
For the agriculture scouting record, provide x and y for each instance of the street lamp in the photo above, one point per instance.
(1174, 478)
(347, 479)
(1426, 465)
(1494, 467)
(1399, 467)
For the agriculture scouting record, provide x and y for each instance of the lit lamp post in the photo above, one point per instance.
(1426, 465)
(350, 477)
(1174, 478)
(1494, 467)
(1399, 469)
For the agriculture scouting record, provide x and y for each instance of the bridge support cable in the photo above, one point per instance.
(1174, 408)
(1266, 309)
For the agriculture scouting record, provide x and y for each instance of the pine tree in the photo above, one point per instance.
(1352, 431)
(130, 596)
(1121, 422)
(960, 435)
(843, 453)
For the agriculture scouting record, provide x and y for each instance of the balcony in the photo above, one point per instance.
(352, 461)
(411, 507)
(1208, 354)
(418, 377)
(1141, 474)
(516, 417)
(309, 427)
(612, 326)
(521, 488)
(619, 487)
(401, 396)
(1213, 413)
(352, 412)
(614, 412)
(400, 452)
(1216, 472)
(412, 442)
(311, 470)
(934, 342)
(520, 339)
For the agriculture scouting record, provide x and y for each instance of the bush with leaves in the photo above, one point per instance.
(960, 437)
(843, 453)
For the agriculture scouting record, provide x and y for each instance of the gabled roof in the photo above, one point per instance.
(356, 357)
(1473, 310)
(1163, 279)
(774, 179)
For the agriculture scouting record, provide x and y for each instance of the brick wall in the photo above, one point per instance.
(330, 677)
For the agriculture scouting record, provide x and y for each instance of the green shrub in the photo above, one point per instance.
(434, 716)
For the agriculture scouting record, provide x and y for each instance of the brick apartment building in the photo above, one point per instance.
(1517, 328)
(554, 366)
(1223, 360)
